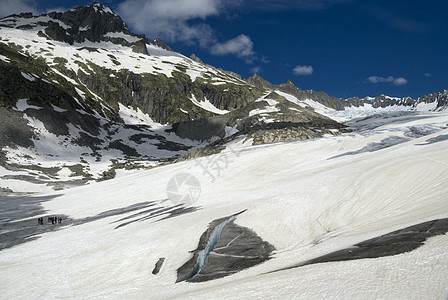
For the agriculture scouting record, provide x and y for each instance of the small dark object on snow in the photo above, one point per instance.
(158, 266)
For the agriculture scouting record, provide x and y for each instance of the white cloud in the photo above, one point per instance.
(171, 20)
(427, 75)
(265, 60)
(9, 7)
(303, 70)
(396, 81)
(183, 21)
(256, 70)
(377, 79)
(399, 22)
(241, 46)
(400, 81)
(57, 9)
(294, 4)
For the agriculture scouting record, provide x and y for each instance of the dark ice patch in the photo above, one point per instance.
(393, 243)
(419, 131)
(439, 138)
(235, 249)
(372, 147)
(378, 120)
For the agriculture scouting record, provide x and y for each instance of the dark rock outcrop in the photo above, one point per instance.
(158, 266)
(224, 249)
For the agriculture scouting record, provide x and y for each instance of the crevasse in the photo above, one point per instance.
(202, 257)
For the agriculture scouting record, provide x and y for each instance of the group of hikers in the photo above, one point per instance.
(53, 220)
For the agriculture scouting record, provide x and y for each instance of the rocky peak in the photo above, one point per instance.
(95, 23)
(259, 81)
(318, 96)
(159, 43)
(196, 59)
(90, 22)
(441, 99)
(290, 87)
(98, 7)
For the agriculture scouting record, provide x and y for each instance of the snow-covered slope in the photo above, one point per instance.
(109, 55)
(305, 198)
(84, 99)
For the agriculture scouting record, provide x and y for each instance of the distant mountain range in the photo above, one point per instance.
(83, 98)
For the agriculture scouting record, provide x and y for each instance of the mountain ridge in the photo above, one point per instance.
(440, 98)
(81, 100)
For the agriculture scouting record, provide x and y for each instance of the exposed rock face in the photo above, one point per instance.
(211, 149)
(14, 130)
(163, 97)
(290, 133)
(202, 129)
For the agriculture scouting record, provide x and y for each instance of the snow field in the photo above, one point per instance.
(105, 54)
(297, 199)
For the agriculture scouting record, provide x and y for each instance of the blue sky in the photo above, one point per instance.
(343, 47)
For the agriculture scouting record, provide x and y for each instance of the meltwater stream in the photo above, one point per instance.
(202, 256)
(225, 248)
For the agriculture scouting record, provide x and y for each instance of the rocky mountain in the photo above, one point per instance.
(83, 98)
(435, 101)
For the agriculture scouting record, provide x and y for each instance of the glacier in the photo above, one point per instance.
(296, 198)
